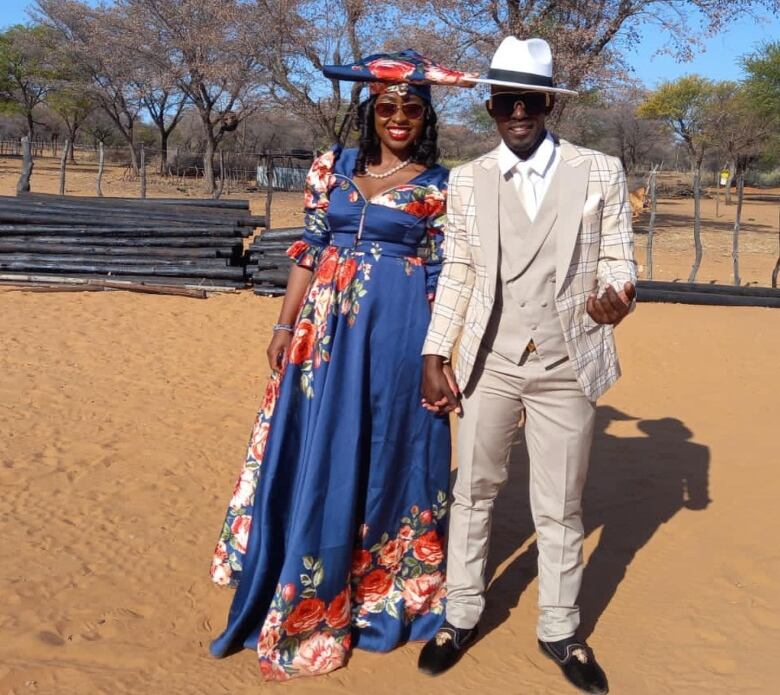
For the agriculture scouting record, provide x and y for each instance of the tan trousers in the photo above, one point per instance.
(559, 430)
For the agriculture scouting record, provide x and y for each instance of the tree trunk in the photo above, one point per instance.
(777, 264)
(30, 126)
(143, 172)
(134, 164)
(735, 237)
(63, 162)
(208, 162)
(696, 221)
(218, 190)
(101, 160)
(732, 178)
(163, 150)
(71, 148)
(130, 137)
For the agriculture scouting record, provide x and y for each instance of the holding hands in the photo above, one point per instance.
(440, 391)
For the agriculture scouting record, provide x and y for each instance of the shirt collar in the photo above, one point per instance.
(538, 162)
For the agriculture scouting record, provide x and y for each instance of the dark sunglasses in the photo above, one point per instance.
(503, 104)
(388, 109)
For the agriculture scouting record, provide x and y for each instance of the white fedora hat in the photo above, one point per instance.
(524, 64)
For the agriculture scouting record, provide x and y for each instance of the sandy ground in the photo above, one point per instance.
(123, 422)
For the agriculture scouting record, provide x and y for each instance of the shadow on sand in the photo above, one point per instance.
(635, 484)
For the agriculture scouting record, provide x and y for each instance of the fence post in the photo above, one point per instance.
(63, 161)
(737, 221)
(27, 166)
(777, 264)
(651, 224)
(269, 174)
(143, 172)
(717, 193)
(101, 155)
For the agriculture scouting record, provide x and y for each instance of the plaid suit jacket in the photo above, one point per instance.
(594, 247)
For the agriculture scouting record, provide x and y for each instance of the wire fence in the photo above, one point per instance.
(237, 168)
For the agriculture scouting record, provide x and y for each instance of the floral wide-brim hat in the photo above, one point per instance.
(403, 68)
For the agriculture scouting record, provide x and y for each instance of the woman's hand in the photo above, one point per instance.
(440, 393)
(277, 349)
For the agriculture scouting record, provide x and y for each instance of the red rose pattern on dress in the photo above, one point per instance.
(305, 635)
(226, 563)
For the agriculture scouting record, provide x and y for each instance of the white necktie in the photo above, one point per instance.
(526, 190)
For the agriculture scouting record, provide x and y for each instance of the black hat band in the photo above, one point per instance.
(520, 77)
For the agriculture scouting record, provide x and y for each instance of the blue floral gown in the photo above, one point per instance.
(334, 534)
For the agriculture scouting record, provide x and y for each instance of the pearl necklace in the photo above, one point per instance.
(389, 172)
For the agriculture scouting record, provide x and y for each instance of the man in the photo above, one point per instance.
(538, 270)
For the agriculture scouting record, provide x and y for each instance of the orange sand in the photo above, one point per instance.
(123, 422)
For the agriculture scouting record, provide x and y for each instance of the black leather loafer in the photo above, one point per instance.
(576, 660)
(443, 651)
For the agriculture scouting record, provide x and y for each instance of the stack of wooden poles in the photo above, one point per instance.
(182, 242)
(268, 264)
(706, 294)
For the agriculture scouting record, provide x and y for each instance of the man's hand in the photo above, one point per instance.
(440, 393)
(612, 306)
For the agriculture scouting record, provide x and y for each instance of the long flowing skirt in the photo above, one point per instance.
(334, 534)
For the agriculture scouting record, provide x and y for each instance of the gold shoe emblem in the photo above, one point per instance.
(442, 638)
(580, 654)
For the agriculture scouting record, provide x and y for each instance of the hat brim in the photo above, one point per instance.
(521, 85)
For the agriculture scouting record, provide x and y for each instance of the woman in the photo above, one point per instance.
(334, 532)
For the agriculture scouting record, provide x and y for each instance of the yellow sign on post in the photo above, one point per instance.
(724, 177)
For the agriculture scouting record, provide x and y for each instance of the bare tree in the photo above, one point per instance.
(302, 43)
(165, 104)
(607, 120)
(589, 39)
(92, 35)
(209, 51)
(101, 129)
(636, 140)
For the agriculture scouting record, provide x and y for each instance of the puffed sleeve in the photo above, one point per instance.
(316, 192)
(437, 217)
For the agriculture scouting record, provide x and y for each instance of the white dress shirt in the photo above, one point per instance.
(531, 176)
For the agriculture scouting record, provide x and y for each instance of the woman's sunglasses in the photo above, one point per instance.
(388, 109)
(503, 104)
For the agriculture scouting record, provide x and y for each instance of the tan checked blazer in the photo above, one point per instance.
(594, 248)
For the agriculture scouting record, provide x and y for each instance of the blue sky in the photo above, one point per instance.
(719, 60)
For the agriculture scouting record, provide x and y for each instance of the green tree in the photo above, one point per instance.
(763, 87)
(26, 73)
(739, 129)
(763, 79)
(73, 102)
(684, 104)
(71, 98)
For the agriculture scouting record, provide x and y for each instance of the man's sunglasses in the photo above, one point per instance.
(388, 109)
(504, 104)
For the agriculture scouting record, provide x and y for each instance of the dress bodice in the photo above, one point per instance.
(401, 214)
